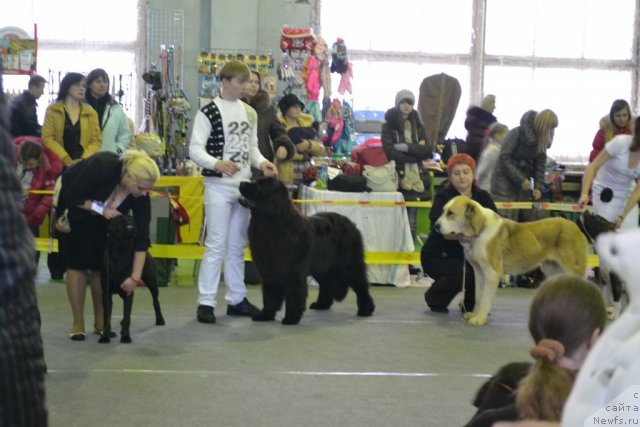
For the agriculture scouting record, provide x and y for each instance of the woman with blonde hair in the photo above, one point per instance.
(522, 159)
(97, 189)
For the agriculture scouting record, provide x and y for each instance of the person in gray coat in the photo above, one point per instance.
(522, 158)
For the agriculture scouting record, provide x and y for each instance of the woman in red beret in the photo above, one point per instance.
(443, 259)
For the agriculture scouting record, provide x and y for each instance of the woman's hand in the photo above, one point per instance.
(537, 194)
(618, 222)
(583, 200)
(303, 146)
(526, 185)
(129, 285)
(110, 213)
(268, 168)
(226, 167)
(281, 153)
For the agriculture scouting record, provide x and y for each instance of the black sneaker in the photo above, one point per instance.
(205, 314)
(243, 308)
(413, 270)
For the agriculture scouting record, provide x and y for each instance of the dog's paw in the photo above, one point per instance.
(366, 311)
(477, 320)
(125, 339)
(468, 315)
(317, 306)
(160, 321)
(261, 316)
(290, 321)
(104, 339)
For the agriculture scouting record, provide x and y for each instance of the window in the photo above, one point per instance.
(534, 57)
(75, 36)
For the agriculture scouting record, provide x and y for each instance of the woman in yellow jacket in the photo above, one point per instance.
(71, 128)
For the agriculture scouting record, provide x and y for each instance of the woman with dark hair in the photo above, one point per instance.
(302, 129)
(71, 128)
(613, 176)
(114, 125)
(443, 260)
(617, 123)
(273, 140)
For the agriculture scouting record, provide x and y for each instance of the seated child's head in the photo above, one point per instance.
(30, 154)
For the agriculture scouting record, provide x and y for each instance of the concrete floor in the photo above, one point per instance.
(401, 367)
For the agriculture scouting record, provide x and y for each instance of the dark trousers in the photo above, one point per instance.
(35, 230)
(447, 282)
(21, 358)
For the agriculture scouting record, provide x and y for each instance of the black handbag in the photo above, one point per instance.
(348, 183)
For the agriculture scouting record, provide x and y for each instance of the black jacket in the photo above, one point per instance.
(393, 133)
(436, 245)
(477, 122)
(24, 116)
(95, 179)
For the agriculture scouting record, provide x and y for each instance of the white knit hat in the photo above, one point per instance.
(403, 95)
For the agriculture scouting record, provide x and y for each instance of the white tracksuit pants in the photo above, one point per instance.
(226, 236)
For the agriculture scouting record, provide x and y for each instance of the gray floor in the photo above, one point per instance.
(401, 367)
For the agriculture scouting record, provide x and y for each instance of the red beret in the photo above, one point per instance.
(461, 158)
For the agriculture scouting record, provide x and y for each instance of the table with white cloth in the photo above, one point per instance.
(383, 228)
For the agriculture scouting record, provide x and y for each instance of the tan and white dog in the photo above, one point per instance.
(494, 246)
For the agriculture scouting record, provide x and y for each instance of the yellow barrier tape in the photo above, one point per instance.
(564, 207)
(195, 252)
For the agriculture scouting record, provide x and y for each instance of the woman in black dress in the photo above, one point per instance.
(95, 190)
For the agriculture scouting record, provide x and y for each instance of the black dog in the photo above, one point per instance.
(118, 265)
(591, 226)
(287, 247)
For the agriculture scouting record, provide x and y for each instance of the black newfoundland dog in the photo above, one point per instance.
(118, 265)
(287, 247)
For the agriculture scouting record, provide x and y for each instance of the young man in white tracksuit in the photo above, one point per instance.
(224, 143)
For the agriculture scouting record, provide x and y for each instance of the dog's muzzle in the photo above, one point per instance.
(246, 202)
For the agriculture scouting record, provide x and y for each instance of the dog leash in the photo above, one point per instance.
(464, 282)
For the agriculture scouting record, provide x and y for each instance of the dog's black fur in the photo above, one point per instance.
(591, 226)
(287, 247)
(118, 265)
